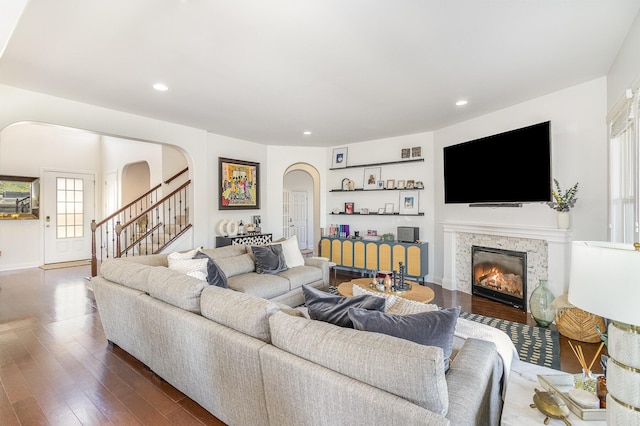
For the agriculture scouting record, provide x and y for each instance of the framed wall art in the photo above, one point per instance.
(239, 184)
(339, 159)
(371, 177)
(409, 202)
(348, 208)
(388, 208)
(391, 184)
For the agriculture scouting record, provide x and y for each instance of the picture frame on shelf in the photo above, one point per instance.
(364, 211)
(409, 202)
(239, 184)
(381, 210)
(371, 178)
(401, 184)
(348, 208)
(405, 153)
(339, 159)
(410, 184)
(388, 208)
(391, 183)
(416, 152)
(380, 184)
(419, 185)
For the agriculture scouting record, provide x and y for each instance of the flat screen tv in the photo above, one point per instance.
(509, 168)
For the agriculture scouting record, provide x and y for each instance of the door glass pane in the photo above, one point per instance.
(70, 209)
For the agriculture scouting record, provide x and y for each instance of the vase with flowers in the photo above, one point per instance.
(563, 202)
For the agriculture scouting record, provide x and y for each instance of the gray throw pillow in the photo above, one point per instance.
(334, 309)
(269, 259)
(433, 328)
(215, 276)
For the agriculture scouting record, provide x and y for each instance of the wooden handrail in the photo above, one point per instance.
(168, 181)
(121, 209)
(157, 203)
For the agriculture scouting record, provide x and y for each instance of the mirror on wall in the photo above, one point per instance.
(19, 197)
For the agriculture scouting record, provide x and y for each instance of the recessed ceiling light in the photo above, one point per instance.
(462, 102)
(161, 87)
(307, 132)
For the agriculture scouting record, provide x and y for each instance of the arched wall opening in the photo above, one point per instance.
(314, 189)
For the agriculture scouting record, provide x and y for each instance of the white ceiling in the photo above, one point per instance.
(347, 70)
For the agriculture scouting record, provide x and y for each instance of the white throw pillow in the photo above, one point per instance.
(391, 298)
(291, 251)
(192, 267)
(395, 304)
(172, 257)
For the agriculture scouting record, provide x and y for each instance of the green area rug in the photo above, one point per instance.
(535, 345)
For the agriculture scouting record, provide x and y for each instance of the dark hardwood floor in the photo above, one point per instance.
(56, 367)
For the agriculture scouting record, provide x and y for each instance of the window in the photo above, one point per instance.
(69, 208)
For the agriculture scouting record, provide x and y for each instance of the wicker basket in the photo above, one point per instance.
(575, 323)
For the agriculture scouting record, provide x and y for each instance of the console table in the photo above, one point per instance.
(246, 239)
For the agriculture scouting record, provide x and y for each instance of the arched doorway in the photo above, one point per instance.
(301, 205)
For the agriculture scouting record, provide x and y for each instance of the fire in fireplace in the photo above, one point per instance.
(500, 275)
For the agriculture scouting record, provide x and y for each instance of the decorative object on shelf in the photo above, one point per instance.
(541, 304)
(388, 208)
(335, 210)
(222, 227)
(405, 153)
(388, 237)
(364, 211)
(409, 202)
(381, 210)
(241, 228)
(400, 184)
(239, 184)
(410, 184)
(416, 151)
(346, 184)
(380, 184)
(231, 228)
(585, 380)
(257, 220)
(563, 220)
(563, 202)
(604, 280)
(371, 177)
(348, 208)
(391, 183)
(419, 184)
(339, 160)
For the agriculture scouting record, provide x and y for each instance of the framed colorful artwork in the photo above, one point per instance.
(348, 208)
(239, 184)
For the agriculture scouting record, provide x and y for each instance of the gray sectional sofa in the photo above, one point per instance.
(249, 361)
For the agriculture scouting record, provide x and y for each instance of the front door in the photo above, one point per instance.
(68, 201)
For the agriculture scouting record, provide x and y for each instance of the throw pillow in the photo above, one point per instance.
(291, 251)
(215, 276)
(269, 259)
(334, 309)
(175, 256)
(196, 268)
(396, 304)
(434, 328)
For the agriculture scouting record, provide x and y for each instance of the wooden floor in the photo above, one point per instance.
(56, 367)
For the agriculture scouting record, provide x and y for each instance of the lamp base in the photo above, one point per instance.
(623, 374)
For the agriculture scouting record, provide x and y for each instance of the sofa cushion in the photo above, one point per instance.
(226, 251)
(291, 250)
(236, 265)
(406, 369)
(175, 288)
(215, 276)
(301, 275)
(131, 274)
(242, 312)
(334, 309)
(434, 328)
(269, 259)
(262, 285)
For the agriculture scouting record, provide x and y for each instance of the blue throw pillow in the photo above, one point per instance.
(215, 276)
(334, 309)
(433, 328)
(269, 259)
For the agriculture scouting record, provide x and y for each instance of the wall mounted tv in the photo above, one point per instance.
(508, 169)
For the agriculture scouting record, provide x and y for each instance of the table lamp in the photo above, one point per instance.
(605, 280)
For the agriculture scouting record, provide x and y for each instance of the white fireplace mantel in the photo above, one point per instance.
(558, 249)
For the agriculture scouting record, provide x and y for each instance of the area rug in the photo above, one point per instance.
(536, 345)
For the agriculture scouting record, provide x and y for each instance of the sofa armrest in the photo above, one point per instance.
(474, 382)
(321, 263)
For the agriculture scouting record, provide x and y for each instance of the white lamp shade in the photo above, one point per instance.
(605, 280)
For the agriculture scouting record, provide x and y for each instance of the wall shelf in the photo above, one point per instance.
(386, 163)
(371, 190)
(374, 214)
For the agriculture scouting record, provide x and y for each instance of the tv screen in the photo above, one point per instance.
(510, 167)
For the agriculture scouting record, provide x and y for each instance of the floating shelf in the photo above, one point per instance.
(415, 160)
(371, 190)
(374, 214)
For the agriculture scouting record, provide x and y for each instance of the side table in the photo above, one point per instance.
(516, 411)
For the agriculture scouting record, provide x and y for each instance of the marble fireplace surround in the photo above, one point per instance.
(548, 253)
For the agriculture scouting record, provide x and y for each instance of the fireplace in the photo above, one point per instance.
(500, 275)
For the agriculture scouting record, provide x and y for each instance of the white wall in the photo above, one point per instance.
(625, 71)
(579, 153)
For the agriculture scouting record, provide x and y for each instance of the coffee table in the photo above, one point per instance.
(418, 293)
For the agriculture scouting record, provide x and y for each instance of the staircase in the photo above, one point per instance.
(145, 226)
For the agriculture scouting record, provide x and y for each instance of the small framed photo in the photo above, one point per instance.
(339, 160)
(405, 153)
(419, 184)
(400, 184)
(381, 210)
(388, 208)
(416, 151)
(364, 211)
(409, 202)
(380, 184)
(410, 184)
(348, 208)
(391, 183)
(371, 177)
